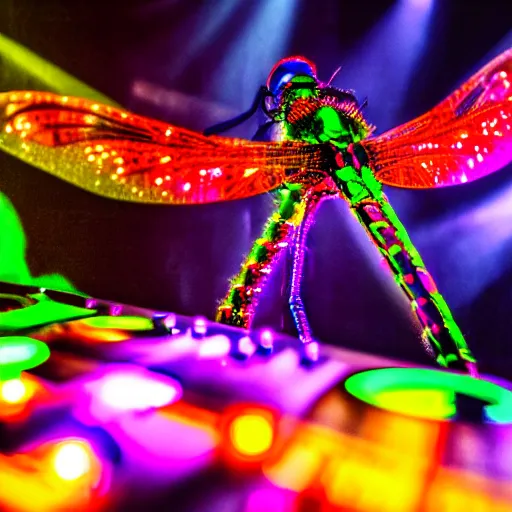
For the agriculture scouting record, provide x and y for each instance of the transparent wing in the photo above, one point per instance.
(123, 156)
(465, 137)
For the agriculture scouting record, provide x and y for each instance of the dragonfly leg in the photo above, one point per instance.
(239, 305)
(312, 202)
(440, 333)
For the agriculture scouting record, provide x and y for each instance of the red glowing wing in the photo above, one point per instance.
(465, 137)
(127, 157)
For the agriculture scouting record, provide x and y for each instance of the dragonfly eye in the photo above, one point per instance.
(288, 69)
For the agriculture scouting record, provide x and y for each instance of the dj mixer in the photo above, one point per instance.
(105, 406)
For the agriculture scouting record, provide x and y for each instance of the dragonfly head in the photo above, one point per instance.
(294, 90)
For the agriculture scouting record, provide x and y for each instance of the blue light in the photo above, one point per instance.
(421, 4)
(381, 65)
(259, 46)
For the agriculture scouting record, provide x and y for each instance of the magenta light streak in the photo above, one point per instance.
(299, 250)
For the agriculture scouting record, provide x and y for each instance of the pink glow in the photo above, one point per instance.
(311, 350)
(132, 390)
(269, 499)
(267, 339)
(246, 346)
(214, 347)
(200, 325)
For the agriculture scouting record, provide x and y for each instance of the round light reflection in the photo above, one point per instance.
(72, 460)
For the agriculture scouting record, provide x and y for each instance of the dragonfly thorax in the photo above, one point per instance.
(323, 117)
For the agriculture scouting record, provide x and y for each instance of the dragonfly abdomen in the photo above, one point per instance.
(440, 334)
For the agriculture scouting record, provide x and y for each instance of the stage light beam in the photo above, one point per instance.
(263, 42)
(381, 65)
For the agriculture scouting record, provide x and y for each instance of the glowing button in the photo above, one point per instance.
(251, 434)
(432, 394)
(72, 460)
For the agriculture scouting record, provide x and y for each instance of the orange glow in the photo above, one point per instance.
(461, 491)
(16, 396)
(310, 450)
(413, 436)
(362, 479)
(33, 481)
(284, 472)
(354, 473)
(251, 434)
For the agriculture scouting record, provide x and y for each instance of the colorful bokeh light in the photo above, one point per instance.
(12, 391)
(251, 434)
(72, 460)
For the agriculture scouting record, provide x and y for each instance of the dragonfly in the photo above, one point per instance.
(320, 146)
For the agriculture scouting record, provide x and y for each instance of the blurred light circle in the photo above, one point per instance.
(251, 434)
(72, 460)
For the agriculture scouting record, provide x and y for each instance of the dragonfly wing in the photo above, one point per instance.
(467, 136)
(128, 157)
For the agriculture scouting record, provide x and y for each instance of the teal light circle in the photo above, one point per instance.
(18, 353)
(428, 394)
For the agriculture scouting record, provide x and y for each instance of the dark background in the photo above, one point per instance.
(194, 63)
